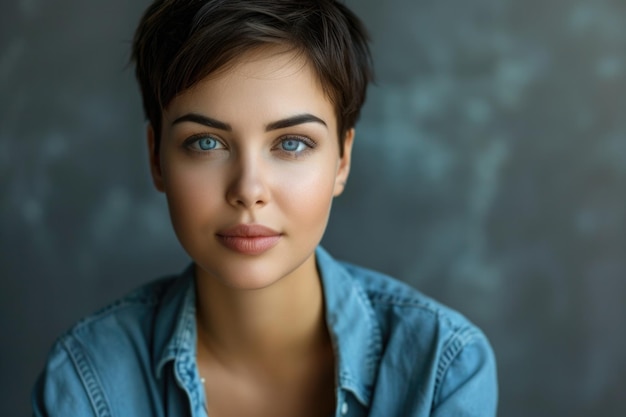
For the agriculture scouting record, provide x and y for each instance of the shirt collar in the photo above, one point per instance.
(350, 318)
(175, 322)
(353, 327)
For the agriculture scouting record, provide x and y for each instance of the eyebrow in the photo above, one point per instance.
(279, 124)
(294, 121)
(203, 120)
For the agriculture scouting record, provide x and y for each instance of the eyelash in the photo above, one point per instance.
(192, 140)
(308, 143)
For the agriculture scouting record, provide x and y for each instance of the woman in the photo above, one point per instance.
(251, 107)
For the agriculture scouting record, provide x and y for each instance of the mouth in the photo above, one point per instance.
(249, 239)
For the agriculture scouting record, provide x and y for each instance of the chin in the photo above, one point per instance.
(243, 274)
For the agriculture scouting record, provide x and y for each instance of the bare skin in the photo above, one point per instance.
(279, 362)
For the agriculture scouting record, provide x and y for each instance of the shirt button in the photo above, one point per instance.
(344, 408)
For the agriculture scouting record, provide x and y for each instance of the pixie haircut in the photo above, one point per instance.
(180, 42)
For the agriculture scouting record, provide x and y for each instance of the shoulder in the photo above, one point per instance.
(143, 298)
(86, 362)
(129, 317)
(401, 307)
(127, 322)
(389, 295)
(430, 347)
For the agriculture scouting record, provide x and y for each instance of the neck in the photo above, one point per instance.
(284, 320)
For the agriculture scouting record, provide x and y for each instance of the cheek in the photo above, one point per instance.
(191, 192)
(307, 191)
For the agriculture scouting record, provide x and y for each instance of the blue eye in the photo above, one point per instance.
(293, 145)
(207, 144)
(203, 143)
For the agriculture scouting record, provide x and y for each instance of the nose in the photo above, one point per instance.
(248, 187)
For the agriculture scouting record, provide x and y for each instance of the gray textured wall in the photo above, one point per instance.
(490, 172)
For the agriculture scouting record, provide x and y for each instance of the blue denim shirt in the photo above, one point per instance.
(399, 353)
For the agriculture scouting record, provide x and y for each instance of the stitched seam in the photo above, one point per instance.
(394, 299)
(451, 350)
(373, 351)
(89, 379)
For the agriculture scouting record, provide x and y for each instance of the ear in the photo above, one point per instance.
(343, 169)
(155, 160)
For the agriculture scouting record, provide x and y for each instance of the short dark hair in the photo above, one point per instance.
(180, 42)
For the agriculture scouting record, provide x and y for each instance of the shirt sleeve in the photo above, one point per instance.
(468, 384)
(60, 390)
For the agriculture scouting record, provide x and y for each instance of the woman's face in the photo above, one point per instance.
(249, 162)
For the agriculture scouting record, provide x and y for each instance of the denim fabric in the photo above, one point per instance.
(399, 353)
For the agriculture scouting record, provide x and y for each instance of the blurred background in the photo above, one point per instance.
(489, 172)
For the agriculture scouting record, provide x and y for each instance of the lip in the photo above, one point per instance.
(249, 239)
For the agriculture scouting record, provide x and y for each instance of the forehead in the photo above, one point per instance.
(265, 83)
